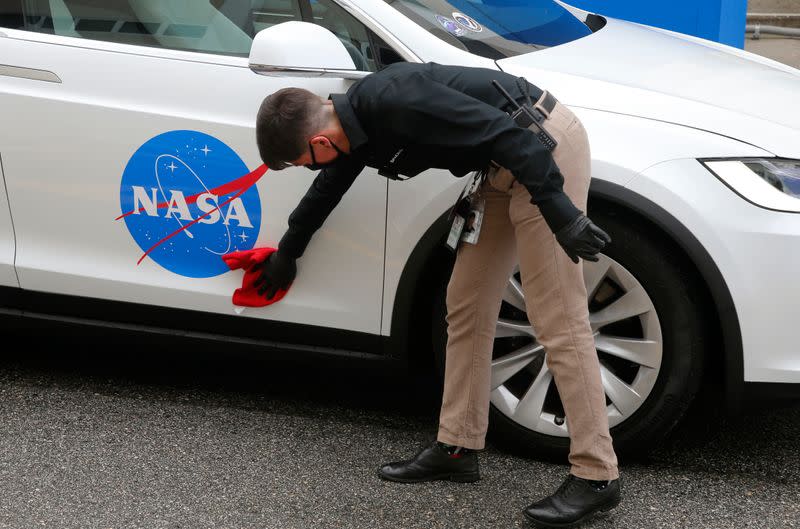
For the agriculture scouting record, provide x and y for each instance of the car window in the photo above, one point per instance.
(350, 31)
(211, 26)
(10, 14)
(176, 24)
(496, 29)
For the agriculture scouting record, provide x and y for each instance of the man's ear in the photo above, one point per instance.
(320, 140)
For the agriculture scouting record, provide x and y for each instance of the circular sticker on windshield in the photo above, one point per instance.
(450, 26)
(467, 22)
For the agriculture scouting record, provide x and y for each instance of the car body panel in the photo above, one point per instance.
(107, 108)
(668, 78)
(8, 276)
(756, 251)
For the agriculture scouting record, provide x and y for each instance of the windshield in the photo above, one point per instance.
(495, 29)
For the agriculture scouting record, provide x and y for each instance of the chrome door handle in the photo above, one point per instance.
(296, 71)
(29, 73)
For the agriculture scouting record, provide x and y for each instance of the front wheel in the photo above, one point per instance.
(647, 324)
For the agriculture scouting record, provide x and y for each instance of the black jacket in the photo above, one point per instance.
(411, 117)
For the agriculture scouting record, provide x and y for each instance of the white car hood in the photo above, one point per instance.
(636, 70)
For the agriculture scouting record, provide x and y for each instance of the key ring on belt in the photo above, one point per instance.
(477, 179)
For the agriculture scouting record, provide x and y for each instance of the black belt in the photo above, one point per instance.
(548, 104)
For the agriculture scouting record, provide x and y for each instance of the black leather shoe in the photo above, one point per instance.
(574, 501)
(432, 464)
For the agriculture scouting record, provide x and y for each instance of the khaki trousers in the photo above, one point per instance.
(514, 231)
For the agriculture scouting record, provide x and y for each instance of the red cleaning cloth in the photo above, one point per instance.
(248, 295)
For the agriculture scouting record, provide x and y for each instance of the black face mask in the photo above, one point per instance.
(314, 166)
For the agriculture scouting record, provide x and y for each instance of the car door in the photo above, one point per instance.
(8, 278)
(130, 159)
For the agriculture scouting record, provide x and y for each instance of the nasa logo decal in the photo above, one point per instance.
(187, 199)
(467, 22)
(450, 25)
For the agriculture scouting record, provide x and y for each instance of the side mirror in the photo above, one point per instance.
(301, 49)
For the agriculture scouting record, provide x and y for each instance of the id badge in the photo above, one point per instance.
(472, 224)
(455, 232)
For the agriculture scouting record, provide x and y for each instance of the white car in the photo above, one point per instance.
(128, 154)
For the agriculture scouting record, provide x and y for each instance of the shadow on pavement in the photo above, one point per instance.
(178, 369)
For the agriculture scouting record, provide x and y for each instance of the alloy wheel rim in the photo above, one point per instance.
(628, 340)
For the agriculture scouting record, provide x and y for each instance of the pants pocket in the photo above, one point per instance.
(575, 122)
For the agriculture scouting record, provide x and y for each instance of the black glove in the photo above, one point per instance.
(581, 238)
(277, 273)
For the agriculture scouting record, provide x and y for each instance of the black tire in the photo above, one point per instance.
(671, 283)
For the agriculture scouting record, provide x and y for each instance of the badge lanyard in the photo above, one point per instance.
(467, 214)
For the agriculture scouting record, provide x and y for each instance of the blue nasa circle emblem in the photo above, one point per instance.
(180, 207)
(450, 25)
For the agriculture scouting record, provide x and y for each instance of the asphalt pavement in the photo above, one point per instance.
(106, 431)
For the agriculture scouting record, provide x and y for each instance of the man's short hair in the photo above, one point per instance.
(285, 122)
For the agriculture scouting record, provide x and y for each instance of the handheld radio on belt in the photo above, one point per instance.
(528, 116)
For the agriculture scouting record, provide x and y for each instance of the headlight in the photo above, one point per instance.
(771, 183)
